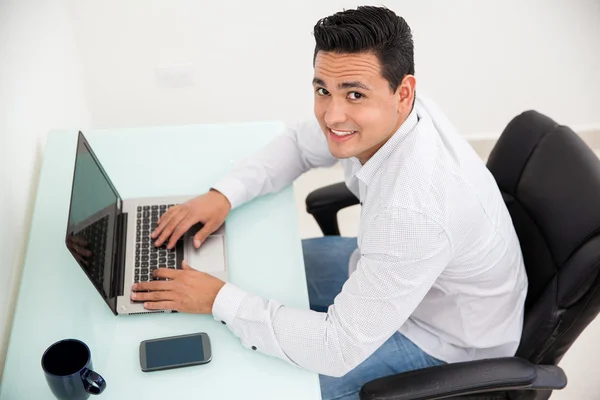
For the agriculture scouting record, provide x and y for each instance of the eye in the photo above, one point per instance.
(322, 91)
(355, 95)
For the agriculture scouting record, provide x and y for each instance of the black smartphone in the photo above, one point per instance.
(175, 352)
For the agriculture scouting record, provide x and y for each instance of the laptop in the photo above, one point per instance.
(109, 237)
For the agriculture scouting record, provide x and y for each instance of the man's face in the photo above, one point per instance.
(357, 110)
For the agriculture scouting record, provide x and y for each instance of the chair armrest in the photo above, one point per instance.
(324, 203)
(482, 376)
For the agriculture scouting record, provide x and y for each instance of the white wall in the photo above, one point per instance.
(483, 62)
(40, 89)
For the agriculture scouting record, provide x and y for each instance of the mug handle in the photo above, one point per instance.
(93, 382)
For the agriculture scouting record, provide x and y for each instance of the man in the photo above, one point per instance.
(436, 273)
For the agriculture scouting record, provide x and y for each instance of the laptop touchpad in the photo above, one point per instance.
(210, 257)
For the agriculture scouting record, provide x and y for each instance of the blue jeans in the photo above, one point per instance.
(326, 260)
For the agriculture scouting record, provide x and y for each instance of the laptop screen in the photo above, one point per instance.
(92, 219)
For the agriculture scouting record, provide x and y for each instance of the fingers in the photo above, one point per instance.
(163, 295)
(161, 305)
(185, 265)
(202, 234)
(169, 228)
(165, 273)
(161, 233)
(164, 220)
(181, 229)
(166, 216)
(154, 285)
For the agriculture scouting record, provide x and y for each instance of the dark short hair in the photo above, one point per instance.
(370, 29)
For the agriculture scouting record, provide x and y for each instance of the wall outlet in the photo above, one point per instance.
(175, 76)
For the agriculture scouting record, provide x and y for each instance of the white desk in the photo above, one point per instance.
(57, 301)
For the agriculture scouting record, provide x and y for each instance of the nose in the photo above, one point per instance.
(335, 115)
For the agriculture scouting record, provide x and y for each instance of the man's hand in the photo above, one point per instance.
(188, 291)
(211, 209)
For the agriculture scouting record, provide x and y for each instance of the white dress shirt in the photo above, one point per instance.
(438, 258)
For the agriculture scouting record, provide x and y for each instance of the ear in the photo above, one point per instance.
(406, 93)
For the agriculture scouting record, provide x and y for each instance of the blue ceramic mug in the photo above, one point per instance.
(68, 368)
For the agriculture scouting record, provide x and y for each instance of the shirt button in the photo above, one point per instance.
(253, 347)
(361, 203)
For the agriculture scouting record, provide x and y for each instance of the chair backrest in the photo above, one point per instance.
(550, 181)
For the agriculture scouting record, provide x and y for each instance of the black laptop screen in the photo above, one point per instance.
(92, 217)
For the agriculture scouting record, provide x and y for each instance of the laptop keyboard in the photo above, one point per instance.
(148, 257)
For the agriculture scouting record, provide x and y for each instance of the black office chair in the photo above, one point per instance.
(550, 181)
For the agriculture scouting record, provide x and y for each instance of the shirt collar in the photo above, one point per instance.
(366, 172)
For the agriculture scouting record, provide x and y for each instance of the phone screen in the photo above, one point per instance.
(174, 351)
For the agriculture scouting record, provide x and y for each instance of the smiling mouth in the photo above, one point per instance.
(341, 133)
(339, 136)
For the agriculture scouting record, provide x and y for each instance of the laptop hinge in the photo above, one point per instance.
(119, 255)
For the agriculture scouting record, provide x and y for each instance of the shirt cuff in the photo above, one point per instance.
(233, 190)
(227, 303)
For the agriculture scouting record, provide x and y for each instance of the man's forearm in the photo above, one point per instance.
(269, 170)
(305, 338)
(276, 165)
(378, 297)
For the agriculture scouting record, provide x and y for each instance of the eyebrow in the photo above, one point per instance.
(343, 85)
